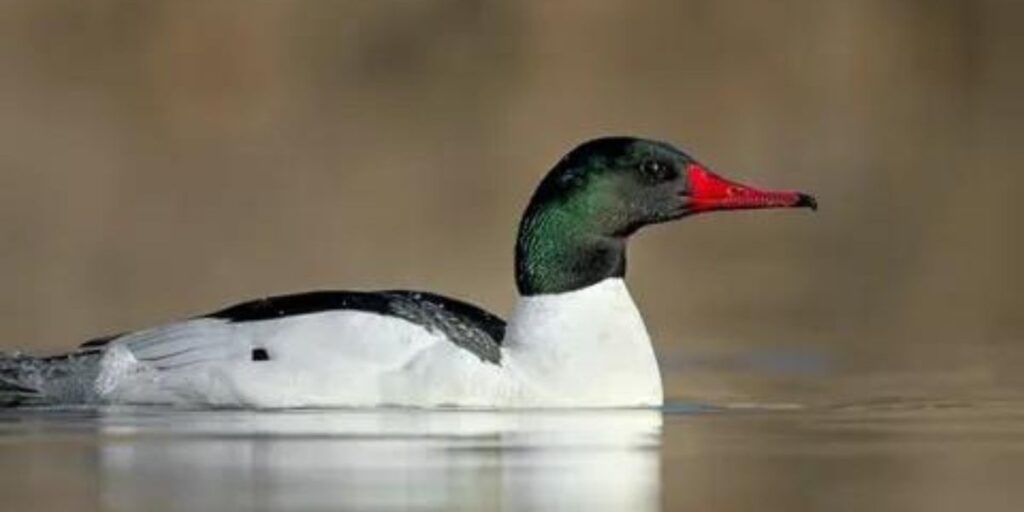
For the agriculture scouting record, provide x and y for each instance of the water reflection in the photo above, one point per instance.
(880, 454)
(380, 460)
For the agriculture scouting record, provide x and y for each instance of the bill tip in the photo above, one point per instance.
(806, 201)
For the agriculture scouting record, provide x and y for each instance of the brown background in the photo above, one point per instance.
(160, 159)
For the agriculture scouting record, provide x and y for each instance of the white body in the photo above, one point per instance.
(585, 348)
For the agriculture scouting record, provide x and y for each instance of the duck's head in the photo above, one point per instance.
(574, 231)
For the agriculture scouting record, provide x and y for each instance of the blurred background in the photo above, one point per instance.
(162, 159)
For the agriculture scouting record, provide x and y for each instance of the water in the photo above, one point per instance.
(878, 455)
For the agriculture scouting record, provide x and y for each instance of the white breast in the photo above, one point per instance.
(587, 347)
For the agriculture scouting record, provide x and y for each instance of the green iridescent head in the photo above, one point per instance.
(574, 231)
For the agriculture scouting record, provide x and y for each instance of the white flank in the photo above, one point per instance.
(586, 348)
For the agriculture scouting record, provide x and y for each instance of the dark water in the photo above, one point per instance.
(880, 455)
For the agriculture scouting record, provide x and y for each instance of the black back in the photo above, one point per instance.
(466, 325)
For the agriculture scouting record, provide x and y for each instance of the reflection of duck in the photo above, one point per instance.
(575, 337)
(385, 458)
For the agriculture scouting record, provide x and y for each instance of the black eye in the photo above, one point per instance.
(657, 170)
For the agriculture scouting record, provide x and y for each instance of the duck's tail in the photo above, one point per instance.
(63, 379)
(18, 383)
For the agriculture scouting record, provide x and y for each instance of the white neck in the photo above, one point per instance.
(585, 347)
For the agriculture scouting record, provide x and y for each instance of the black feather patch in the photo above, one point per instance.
(464, 324)
(260, 354)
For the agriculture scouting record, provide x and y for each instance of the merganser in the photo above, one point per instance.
(574, 339)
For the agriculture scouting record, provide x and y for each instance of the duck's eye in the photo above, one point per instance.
(655, 169)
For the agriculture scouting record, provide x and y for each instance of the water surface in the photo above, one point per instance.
(877, 455)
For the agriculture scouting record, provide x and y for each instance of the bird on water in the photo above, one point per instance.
(574, 339)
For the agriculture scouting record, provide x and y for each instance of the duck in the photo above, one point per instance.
(575, 337)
